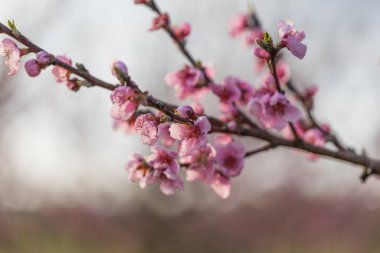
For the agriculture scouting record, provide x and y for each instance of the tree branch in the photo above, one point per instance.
(372, 166)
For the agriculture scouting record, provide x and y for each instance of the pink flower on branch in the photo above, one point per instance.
(160, 21)
(12, 54)
(165, 169)
(291, 38)
(61, 74)
(191, 137)
(187, 82)
(317, 138)
(164, 134)
(221, 185)
(146, 126)
(230, 158)
(261, 53)
(181, 31)
(273, 110)
(251, 35)
(238, 24)
(215, 169)
(228, 93)
(125, 103)
(201, 164)
(139, 171)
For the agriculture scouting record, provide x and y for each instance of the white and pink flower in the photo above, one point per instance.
(12, 54)
(146, 126)
(291, 38)
(273, 110)
(125, 103)
(190, 136)
(186, 82)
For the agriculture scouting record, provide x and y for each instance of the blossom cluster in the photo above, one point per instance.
(176, 144)
(182, 136)
(214, 161)
(33, 67)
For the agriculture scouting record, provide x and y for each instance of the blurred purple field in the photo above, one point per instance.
(288, 223)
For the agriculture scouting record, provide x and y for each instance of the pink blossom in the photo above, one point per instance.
(210, 71)
(299, 126)
(309, 94)
(252, 35)
(164, 134)
(186, 82)
(261, 53)
(61, 74)
(146, 126)
(201, 164)
(230, 158)
(122, 94)
(317, 138)
(169, 185)
(12, 54)
(139, 171)
(260, 64)
(185, 111)
(191, 136)
(237, 24)
(273, 110)
(229, 92)
(44, 59)
(314, 136)
(123, 111)
(182, 31)
(166, 168)
(291, 38)
(283, 72)
(124, 103)
(221, 185)
(32, 68)
(164, 159)
(246, 89)
(160, 21)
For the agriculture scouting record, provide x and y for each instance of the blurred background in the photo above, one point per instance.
(63, 187)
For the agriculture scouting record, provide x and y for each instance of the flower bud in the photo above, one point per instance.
(185, 111)
(73, 84)
(119, 70)
(44, 59)
(32, 68)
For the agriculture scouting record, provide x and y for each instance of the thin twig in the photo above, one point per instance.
(259, 150)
